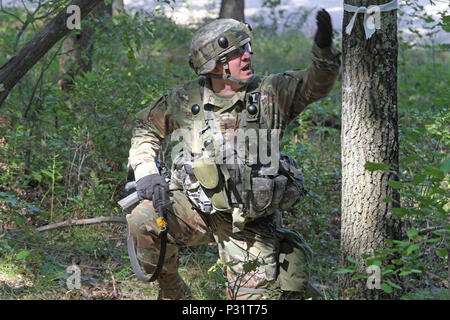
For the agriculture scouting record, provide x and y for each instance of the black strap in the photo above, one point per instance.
(164, 204)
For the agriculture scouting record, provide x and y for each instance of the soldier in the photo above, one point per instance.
(221, 192)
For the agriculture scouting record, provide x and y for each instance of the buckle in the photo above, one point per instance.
(162, 223)
(207, 206)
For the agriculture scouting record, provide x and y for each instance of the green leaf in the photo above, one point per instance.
(344, 271)
(419, 178)
(374, 262)
(395, 184)
(446, 23)
(399, 212)
(441, 252)
(393, 284)
(5, 246)
(22, 254)
(412, 248)
(435, 172)
(372, 166)
(352, 260)
(445, 166)
(405, 273)
(37, 176)
(412, 233)
(398, 262)
(386, 288)
(47, 173)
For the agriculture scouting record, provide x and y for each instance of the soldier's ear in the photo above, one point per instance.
(218, 69)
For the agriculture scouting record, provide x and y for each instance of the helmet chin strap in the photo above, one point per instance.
(228, 76)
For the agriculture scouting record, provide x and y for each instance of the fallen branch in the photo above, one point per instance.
(74, 222)
(425, 231)
(430, 229)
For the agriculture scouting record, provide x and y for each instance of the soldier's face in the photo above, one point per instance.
(239, 63)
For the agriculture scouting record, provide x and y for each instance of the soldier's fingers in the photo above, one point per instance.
(324, 12)
(323, 24)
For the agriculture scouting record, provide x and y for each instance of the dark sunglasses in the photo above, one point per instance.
(240, 51)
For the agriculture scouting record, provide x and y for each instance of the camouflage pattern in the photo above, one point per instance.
(255, 249)
(283, 97)
(249, 257)
(205, 49)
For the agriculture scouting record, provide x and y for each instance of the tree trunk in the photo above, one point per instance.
(233, 9)
(369, 134)
(13, 70)
(77, 50)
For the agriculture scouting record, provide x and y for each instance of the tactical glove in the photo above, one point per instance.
(145, 186)
(324, 31)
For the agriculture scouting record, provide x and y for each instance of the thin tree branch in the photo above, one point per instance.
(75, 222)
(13, 70)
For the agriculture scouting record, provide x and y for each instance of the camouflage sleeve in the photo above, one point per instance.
(318, 80)
(153, 125)
(289, 93)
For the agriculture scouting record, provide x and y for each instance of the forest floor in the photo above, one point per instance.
(100, 252)
(34, 266)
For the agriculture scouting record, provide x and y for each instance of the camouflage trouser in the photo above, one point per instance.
(251, 256)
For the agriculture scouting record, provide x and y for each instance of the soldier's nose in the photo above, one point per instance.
(246, 55)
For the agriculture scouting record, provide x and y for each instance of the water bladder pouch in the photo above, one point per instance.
(208, 175)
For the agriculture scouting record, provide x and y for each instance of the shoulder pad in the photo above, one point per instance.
(254, 85)
(187, 92)
(143, 115)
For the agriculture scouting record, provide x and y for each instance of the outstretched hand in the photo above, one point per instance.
(324, 32)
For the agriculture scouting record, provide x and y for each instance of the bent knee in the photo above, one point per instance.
(141, 218)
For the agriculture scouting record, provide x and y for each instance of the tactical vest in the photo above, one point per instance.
(221, 177)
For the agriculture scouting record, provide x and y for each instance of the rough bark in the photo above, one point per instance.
(369, 134)
(15, 68)
(233, 9)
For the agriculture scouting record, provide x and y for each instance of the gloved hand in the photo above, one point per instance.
(324, 32)
(146, 185)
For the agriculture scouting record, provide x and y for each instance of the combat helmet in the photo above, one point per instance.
(213, 41)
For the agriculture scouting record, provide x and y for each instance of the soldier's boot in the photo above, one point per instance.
(172, 287)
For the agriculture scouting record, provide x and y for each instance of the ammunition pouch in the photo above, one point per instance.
(205, 184)
(295, 187)
(266, 195)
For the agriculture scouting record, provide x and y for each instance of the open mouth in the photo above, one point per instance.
(247, 67)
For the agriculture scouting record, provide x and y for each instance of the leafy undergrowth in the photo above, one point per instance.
(34, 267)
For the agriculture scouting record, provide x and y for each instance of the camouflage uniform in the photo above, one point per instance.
(257, 242)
